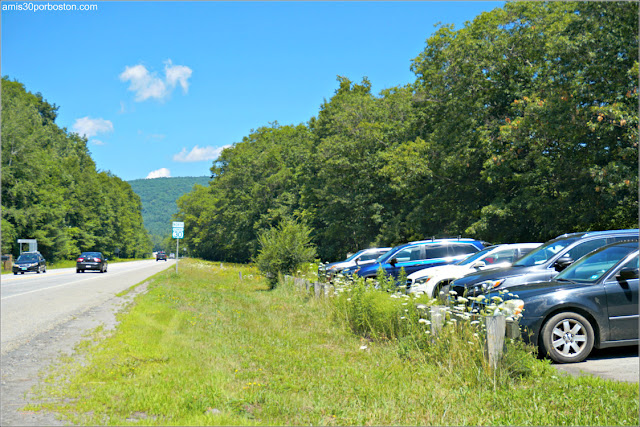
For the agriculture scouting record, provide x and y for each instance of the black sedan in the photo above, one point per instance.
(91, 261)
(30, 261)
(593, 303)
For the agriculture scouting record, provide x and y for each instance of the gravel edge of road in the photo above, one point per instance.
(44, 350)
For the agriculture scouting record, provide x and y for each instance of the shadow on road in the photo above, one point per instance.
(613, 353)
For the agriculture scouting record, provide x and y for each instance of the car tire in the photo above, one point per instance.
(567, 338)
(38, 271)
(15, 274)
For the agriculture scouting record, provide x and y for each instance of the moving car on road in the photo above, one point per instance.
(161, 256)
(431, 280)
(91, 261)
(593, 303)
(30, 261)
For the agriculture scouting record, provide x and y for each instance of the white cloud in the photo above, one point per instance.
(148, 85)
(97, 142)
(198, 154)
(160, 173)
(89, 127)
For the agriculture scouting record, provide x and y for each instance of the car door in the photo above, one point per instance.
(407, 258)
(622, 304)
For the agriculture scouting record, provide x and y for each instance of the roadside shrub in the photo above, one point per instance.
(283, 249)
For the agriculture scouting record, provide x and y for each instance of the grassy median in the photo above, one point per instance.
(206, 348)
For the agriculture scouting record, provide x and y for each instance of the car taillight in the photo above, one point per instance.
(96, 259)
(80, 259)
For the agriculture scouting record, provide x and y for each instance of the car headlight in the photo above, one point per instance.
(487, 285)
(422, 280)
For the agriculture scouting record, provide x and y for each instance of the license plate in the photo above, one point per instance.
(24, 268)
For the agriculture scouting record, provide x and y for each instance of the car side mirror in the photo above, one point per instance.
(563, 262)
(627, 273)
(106, 259)
(393, 262)
(479, 264)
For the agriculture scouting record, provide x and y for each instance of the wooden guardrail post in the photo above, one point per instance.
(496, 326)
(512, 329)
(437, 314)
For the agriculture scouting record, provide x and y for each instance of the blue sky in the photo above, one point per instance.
(159, 88)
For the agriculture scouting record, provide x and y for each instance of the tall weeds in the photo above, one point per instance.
(380, 312)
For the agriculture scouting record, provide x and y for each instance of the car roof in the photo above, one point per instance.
(452, 239)
(599, 233)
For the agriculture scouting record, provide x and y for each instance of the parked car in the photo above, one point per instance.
(91, 261)
(30, 261)
(360, 258)
(431, 280)
(592, 303)
(418, 255)
(541, 264)
(161, 256)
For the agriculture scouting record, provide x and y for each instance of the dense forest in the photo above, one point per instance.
(52, 192)
(158, 197)
(520, 126)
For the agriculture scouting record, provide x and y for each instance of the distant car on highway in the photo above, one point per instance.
(91, 261)
(161, 256)
(30, 261)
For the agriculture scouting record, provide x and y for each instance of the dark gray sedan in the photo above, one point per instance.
(91, 261)
(593, 303)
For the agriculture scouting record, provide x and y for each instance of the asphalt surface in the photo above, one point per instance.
(619, 363)
(45, 315)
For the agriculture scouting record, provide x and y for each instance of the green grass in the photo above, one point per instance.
(204, 348)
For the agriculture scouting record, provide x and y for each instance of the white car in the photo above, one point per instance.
(431, 280)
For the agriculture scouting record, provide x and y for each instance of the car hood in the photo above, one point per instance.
(492, 274)
(443, 269)
(533, 290)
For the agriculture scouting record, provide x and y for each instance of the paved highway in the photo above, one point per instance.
(33, 303)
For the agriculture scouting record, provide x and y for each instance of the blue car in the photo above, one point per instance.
(419, 255)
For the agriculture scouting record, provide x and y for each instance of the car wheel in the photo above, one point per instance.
(567, 338)
(15, 274)
(45, 270)
(38, 271)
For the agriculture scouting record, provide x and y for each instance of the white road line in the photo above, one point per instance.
(59, 286)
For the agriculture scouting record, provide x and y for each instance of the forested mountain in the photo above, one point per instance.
(158, 196)
(52, 192)
(520, 126)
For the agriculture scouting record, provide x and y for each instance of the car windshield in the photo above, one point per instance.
(387, 255)
(27, 258)
(352, 257)
(543, 253)
(477, 255)
(592, 267)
